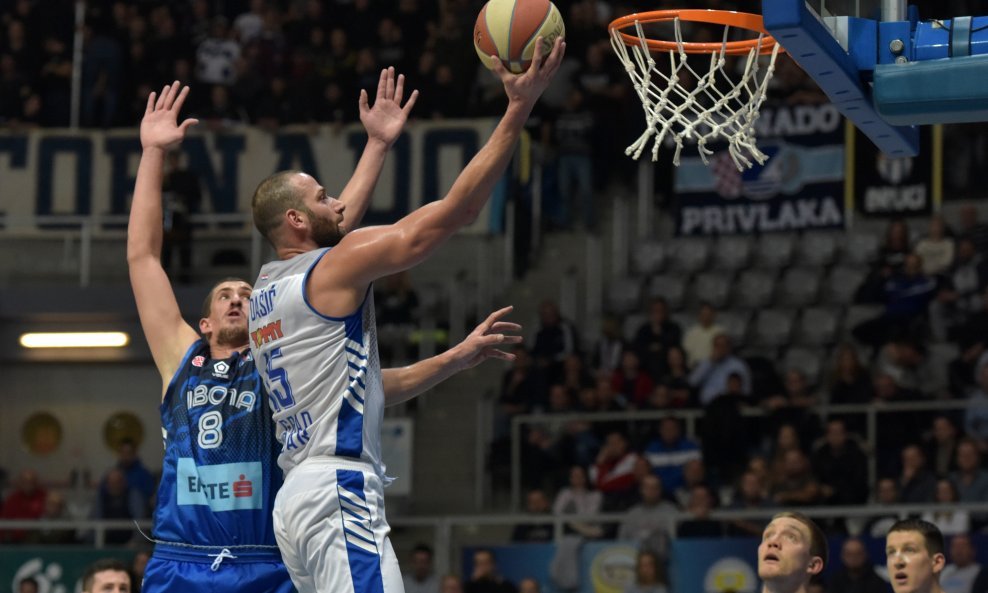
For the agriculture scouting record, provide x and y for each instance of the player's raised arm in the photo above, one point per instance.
(384, 122)
(484, 342)
(371, 253)
(168, 335)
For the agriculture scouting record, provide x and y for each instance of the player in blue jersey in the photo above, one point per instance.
(213, 527)
(316, 349)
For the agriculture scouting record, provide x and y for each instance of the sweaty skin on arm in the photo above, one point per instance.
(339, 282)
(167, 333)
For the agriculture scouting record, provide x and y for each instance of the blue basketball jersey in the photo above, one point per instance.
(220, 472)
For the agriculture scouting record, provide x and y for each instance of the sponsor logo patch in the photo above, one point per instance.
(224, 487)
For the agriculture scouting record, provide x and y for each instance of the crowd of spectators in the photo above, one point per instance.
(932, 290)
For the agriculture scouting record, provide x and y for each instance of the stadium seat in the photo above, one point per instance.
(732, 253)
(735, 323)
(631, 324)
(818, 249)
(772, 327)
(713, 287)
(649, 257)
(809, 361)
(858, 313)
(799, 287)
(690, 255)
(842, 283)
(818, 325)
(774, 251)
(671, 287)
(860, 248)
(754, 289)
(624, 295)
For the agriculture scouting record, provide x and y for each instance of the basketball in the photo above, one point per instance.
(508, 29)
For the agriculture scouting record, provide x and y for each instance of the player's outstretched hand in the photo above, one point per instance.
(385, 120)
(160, 127)
(527, 87)
(487, 340)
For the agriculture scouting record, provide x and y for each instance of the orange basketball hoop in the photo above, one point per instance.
(683, 104)
(729, 18)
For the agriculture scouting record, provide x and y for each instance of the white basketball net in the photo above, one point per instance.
(700, 112)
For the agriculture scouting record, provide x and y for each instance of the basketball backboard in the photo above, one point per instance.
(887, 71)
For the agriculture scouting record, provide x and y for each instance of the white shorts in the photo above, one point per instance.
(330, 525)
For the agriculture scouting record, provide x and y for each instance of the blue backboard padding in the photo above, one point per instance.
(816, 51)
(933, 41)
(935, 92)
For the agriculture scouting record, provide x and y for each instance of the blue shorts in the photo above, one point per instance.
(173, 569)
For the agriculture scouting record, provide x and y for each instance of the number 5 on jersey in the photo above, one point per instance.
(279, 390)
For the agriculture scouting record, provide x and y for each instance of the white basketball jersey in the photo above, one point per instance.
(322, 374)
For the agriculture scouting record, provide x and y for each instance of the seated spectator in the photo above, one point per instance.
(485, 577)
(797, 486)
(851, 384)
(786, 439)
(522, 389)
(970, 479)
(694, 474)
(396, 307)
(108, 574)
(710, 375)
(906, 296)
(917, 484)
(117, 500)
(54, 511)
(941, 445)
(555, 339)
(960, 295)
(857, 573)
(421, 578)
(793, 406)
(613, 473)
(607, 351)
(936, 248)
(650, 574)
(906, 361)
(677, 378)
(138, 476)
(630, 381)
(138, 566)
(529, 585)
(959, 575)
(886, 493)
(578, 499)
(26, 501)
(749, 494)
(649, 523)
(575, 374)
(976, 411)
(950, 522)
(452, 584)
(699, 337)
(27, 585)
(655, 336)
(972, 230)
(725, 433)
(670, 452)
(841, 467)
(701, 502)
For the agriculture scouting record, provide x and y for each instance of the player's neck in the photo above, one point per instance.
(221, 351)
(779, 586)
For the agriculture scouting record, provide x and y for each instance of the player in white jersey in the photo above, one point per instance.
(314, 339)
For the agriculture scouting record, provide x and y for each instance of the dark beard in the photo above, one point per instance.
(326, 234)
(232, 336)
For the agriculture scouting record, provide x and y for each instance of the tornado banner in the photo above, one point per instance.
(799, 186)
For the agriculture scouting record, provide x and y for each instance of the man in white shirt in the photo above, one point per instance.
(959, 575)
(699, 338)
